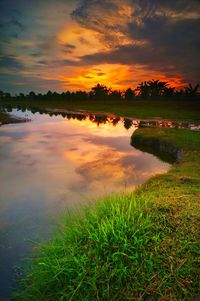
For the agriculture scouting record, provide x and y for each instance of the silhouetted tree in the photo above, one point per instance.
(191, 91)
(115, 94)
(143, 89)
(81, 95)
(1, 95)
(55, 95)
(7, 95)
(127, 123)
(49, 94)
(152, 88)
(32, 94)
(115, 121)
(99, 91)
(168, 91)
(129, 94)
(179, 93)
(156, 87)
(21, 95)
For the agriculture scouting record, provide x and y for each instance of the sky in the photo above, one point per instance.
(75, 44)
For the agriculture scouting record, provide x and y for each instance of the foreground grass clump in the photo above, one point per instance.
(136, 246)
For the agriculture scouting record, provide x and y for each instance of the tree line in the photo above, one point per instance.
(147, 89)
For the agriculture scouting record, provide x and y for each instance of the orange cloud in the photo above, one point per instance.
(86, 41)
(116, 76)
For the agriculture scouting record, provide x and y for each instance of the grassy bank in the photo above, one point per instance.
(6, 118)
(136, 246)
(144, 109)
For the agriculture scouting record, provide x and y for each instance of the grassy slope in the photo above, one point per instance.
(168, 109)
(137, 246)
(4, 118)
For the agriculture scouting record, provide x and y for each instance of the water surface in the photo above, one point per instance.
(52, 164)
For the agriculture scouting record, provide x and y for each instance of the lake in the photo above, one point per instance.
(54, 164)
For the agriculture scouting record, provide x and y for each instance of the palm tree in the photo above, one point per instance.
(143, 89)
(191, 91)
(99, 91)
(156, 87)
(169, 91)
(152, 88)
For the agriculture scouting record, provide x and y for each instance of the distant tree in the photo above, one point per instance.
(143, 89)
(32, 94)
(128, 123)
(168, 91)
(129, 94)
(49, 94)
(115, 121)
(98, 119)
(191, 91)
(65, 95)
(21, 95)
(152, 88)
(81, 95)
(7, 95)
(100, 91)
(116, 94)
(55, 94)
(1, 95)
(156, 87)
(179, 93)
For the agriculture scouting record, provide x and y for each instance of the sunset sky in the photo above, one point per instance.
(72, 45)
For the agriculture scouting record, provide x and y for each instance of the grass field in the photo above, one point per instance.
(135, 246)
(138, 108)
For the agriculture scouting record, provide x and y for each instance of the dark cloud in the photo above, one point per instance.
(166, 33)
(16, 83)
(100, 73)
(89, 77)
(68, 48)
(10, 62)
(17, 23)
(36, 54)
(10, 24)
(67, 62)
(43, 62)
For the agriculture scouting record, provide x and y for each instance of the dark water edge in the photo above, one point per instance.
(103, 118)
(163, 150)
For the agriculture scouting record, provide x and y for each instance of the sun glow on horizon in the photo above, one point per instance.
(73, 45)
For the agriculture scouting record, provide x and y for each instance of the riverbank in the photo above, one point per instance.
(187, 110)
(136, 246)
(6, 118)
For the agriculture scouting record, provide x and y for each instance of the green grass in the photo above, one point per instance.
(4, 118)
(134, 246)
(145, 109)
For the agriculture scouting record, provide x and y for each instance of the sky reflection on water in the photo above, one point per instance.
(51, 164)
